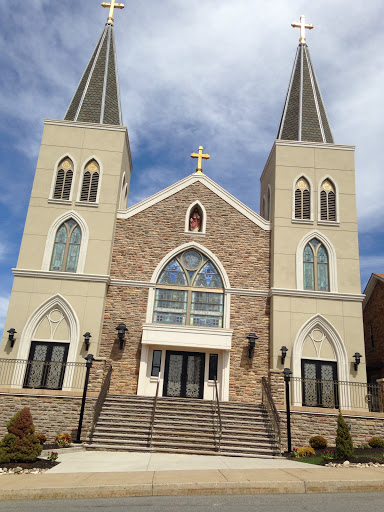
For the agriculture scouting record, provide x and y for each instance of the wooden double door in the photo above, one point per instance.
(184, 374)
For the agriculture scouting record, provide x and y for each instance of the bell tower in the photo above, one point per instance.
(81, 181)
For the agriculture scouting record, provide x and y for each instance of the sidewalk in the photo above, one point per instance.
(166, 474)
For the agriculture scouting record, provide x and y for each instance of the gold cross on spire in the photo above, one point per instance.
(302, 26)
(113, 5)
(199, 156)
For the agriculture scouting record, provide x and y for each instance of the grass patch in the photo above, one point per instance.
(310, 460)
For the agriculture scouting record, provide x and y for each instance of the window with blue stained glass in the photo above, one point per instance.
(183, 305)
(316, 266)
(66, 249)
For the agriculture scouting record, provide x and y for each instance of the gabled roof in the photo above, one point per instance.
(186, 182)
(97, 98)
(373, 280)
(304, 117)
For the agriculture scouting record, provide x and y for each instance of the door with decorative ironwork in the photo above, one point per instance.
(46, 365)
(320, 387)
(184, 374)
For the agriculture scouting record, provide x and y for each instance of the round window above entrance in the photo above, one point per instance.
(177, 300)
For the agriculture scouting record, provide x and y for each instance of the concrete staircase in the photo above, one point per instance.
(183, 426)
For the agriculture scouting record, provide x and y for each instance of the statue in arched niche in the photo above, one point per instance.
(195, 220)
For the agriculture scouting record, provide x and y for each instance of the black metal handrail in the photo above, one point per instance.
(218, 412)
(31, 374)
(334, 394)
(100, 400)
(153, 412)
(270, 407)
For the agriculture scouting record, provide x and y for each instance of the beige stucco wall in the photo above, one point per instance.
(109, 145)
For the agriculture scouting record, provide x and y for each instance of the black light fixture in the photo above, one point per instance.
(252, 337)
(87, 335)
(11, 336)
(357, 357)
(284, 351)
(121, 330)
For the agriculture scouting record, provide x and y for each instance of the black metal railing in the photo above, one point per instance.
(100, 400)
(270, 407)
(217, 415)
(335, 394)
(21, 373)
(152, 424)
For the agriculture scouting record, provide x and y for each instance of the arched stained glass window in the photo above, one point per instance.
(183, 304)
(315, 264)
(67, 247)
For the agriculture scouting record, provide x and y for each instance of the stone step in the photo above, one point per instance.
(181, 413)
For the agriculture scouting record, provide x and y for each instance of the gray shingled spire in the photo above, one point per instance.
(304, 117)
(97, 98)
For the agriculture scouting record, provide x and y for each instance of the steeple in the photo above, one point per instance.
(304, 117)
(97, 98)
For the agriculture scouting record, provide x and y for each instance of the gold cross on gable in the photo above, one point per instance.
(302, 26)
(113, 5)
(199, 156)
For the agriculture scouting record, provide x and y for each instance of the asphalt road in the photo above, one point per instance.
(343, 502)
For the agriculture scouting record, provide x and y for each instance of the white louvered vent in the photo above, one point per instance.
(85, 187)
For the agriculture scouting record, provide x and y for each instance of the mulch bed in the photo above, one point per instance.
(361, 455)
(38, 464)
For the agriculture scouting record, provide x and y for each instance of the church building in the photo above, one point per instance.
(215, 293)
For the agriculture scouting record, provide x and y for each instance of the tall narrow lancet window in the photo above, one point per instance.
(302, 200)
(67, 247)
(63, 179)
(315, 265)
(327, 201)
(90, 182)
(189, 291)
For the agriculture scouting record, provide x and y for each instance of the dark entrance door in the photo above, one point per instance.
(46, 365)
(184, 374)
(320, 387)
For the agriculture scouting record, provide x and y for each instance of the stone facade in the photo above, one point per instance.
(374, 332)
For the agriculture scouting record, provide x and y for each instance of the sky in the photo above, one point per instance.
(211, 73)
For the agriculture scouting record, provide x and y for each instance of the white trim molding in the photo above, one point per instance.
(269, 201)
(332, 261)
(56, 168)
(311, 197)
(64, 276)
(52, 235)
(81, 177)
(186, 182)
(328, 222)
(288, 292)
(320, 322)
(203, 225)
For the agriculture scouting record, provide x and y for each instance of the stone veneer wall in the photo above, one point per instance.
(51, 414)
(140, 244)
(373, 313)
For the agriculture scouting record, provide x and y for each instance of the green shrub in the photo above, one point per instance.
(21, 444)
(305, 451)
(376, 442)
(63, 440)
(318, 442)
(344, 443)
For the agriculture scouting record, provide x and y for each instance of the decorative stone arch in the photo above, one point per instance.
(52, 235)
(334, 183)
(208, 254)
(332, 261)
(54, 176)
(123, 193)
(264, 207)
(311, 195)
(203, 214)
(86, 162)
(320, 322)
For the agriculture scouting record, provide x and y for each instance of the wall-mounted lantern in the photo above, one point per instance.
(11, 336)
(284, 351)
(121, 330)
(357, 357)
(87, 336)
(252, 337)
